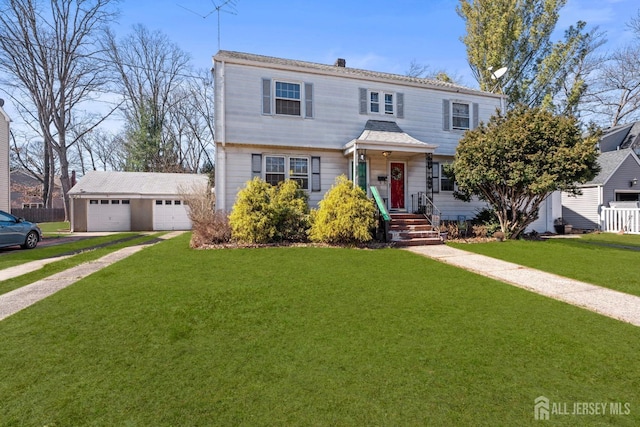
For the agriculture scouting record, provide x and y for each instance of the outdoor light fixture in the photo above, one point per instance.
(633, 182)
(386, 153)
(362, 154)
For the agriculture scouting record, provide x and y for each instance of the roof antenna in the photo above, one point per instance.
(228, 6)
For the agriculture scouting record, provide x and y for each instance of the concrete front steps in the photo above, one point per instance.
(412, 230)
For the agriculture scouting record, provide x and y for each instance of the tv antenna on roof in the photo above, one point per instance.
(228, 6)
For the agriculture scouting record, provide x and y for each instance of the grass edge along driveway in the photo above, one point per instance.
(306, 336)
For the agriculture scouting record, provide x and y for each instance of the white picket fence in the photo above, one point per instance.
(620, 219)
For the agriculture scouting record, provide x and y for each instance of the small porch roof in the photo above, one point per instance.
(387, 136)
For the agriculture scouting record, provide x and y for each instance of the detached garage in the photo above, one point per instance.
(132, 201)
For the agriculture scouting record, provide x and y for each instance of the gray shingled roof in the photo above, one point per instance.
(381, 134)
(230, 56)
(142, 183)
(609, 163)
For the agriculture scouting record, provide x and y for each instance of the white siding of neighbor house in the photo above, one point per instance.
(5, 194)
(583, 211)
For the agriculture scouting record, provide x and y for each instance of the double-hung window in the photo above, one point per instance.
(379, 102)
(299, 171)
(388, 103)
(288, 98)
(460, 115)
(374, 107)
(378, 98)
(440, 181)
(446, 184)
(274, 169)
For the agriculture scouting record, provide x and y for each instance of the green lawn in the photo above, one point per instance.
(608, 260)
(306, 336)
(50, 228)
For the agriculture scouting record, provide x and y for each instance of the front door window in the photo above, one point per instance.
(397, 185)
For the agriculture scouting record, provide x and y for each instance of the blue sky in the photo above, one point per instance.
(379, 35)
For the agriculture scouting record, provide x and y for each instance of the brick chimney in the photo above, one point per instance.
(341, 62)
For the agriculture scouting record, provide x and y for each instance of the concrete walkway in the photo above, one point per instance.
(23, 297)
(607, 302)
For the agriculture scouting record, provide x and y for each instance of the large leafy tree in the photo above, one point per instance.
(517, 34)
(517, 159)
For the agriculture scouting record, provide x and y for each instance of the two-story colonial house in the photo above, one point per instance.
(281, 119)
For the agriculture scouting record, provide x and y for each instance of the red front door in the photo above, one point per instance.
(397, 185)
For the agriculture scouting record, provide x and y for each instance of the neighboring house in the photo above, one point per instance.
(283, 119)
(5, 199)
(26, 191)
(621, 137)
(616, 182)
(132, 201)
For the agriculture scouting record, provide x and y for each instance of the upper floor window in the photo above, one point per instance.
(378, 102)
(388, 103)
(376, 98)
(460, 115)
(288, 98)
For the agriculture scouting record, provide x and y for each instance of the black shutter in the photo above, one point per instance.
(363, 101)
(266, 96)
(308, 100)
(436, 177)
(315, 173)
(256, 165)
(400, 105)
(446, 111)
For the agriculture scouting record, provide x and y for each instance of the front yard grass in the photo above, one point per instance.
(600, 259)
(306, 336)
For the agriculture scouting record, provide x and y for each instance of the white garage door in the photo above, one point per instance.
(170, 215)
(109, 215)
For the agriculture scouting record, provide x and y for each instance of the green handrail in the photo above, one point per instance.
(381, 207)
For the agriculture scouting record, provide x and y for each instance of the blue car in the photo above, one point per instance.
(16, 231)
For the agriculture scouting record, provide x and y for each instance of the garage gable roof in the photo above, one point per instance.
(142, 183)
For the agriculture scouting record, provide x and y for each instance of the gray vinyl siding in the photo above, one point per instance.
(582, 211)
(5, 194)
(337, 114)
(332, 164)
(619, 181)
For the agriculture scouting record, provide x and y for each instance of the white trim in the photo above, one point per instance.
(470, 117)
(287, 166)
(382, 103)
(299, 100)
